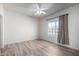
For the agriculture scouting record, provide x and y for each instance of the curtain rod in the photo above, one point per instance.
(52, 18)
(56, 16)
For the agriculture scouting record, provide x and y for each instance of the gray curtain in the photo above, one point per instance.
(63, 36)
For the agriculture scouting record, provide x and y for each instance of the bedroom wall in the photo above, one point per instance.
(1, 25)
(73, 24)
(19, 27)
(0, 31)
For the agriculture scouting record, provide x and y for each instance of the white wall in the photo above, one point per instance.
(1, 25)
(0, 31)
(18, 27)
(73, 26)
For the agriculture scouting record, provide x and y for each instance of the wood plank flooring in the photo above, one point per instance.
(35, 48)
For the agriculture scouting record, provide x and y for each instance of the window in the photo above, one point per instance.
(53, 28)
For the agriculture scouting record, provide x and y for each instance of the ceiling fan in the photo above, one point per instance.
(39, 10)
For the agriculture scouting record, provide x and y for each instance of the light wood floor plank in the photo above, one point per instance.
(34, 48)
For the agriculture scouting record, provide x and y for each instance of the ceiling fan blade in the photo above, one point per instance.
(37, 6)
(33, 10)
(37, 9)
(43, 8)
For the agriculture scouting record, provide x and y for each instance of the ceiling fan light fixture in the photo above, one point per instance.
(40, 12)
(37, 13)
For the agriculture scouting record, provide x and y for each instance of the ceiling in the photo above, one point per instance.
(29, 8)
